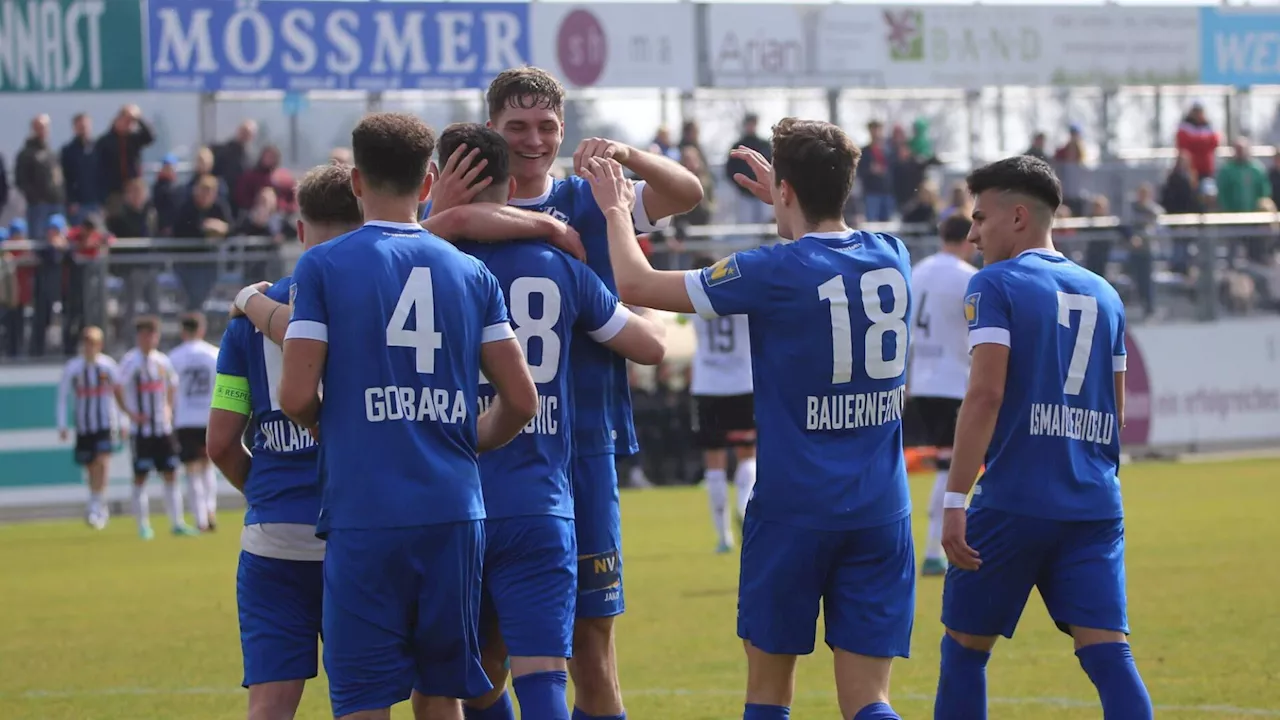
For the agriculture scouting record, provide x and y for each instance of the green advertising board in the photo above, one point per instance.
(71, 45)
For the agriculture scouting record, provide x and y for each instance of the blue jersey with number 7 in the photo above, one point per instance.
(404, 314)
(829, 353)
(1055, 453)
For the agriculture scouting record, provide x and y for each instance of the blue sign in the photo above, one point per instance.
(212, 45)
(1239, 47)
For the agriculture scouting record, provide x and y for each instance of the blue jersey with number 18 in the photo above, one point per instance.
(1056, 448)
(829, 351)
(404, 314)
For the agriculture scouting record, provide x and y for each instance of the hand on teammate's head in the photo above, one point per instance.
(602, 148)
(456, 183)
(609, 185)
(762, 185)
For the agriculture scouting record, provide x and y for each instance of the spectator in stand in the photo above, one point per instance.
(4, 185)
(1242, 181)
(961, 202)
(874, 172)
(1181, 192)
(38, 176)
(1198, 138)
(79, 159)
(1273, 176)
(202, 168)
(748, 210)
(26, 273)
(1069, 161)
(689, 138)
(120, 152)
(267, 173)
(231, 158)
(1144, 229)
(86, 241)
(662, 144)
(135, 218)
(166, 196)
(264, 219)
(923, 207)
(49, 281)
(1097, 251)
(907, 174)
(204, 221)
(342, 156)
(1038, 149)
(10, 307)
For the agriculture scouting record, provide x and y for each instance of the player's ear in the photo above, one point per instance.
(511, 186)
(357, 182)
(425, 190)
(302, 233)
(432, 169)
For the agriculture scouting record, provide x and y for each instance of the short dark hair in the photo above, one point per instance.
(325, 197)
(193, 322)
(393, 151)
(147, 322)
(1022, 174)
(525, 87)
(492, 146)
(819, 161)
(78, 117)
(955, 228)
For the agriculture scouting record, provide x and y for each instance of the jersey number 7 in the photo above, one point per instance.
(1087, 306)
(882, 322)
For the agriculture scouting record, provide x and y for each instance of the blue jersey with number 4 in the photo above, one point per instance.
(829, 352)
(550, 295)
(1055, 453)
(282, 486)
(404, 314)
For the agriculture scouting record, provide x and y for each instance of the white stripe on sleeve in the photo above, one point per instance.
(1119, 363)
(988, 336)
(610, 329)
(496, 332)
(641, 217)
(307, 330)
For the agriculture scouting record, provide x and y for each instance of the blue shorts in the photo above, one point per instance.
(598, 520)
(280, 605)
(864, 579)
(1078, 567)
(530, 583)
(401, 608)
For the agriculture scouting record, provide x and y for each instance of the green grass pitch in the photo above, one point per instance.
(101, 626)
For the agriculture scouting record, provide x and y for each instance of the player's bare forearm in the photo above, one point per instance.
(638, 282)
(304, 361)
(489, 222)
(1119, 380)
(516, 402)
(498, 426)
(670, 188)
(977, 421)
(224, 441)
(266, 315)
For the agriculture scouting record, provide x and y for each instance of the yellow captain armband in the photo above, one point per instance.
(231, 392)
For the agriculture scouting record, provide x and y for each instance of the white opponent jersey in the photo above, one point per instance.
(147, 380)
(940, 333)
(722, 359)
(92, 383)
(196, 363)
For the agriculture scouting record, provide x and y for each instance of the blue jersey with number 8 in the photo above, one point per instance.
(1055, 453)
(829, 338)
(404, 314)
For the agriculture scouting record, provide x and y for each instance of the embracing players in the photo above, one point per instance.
(398, 325)
(829, 522)
(531, 558)
(939, 362)
(1045, 405)
(279, 583)
(526, 106)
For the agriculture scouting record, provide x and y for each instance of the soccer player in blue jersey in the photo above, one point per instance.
(1044, 408)
(829, 522)
(526, 105)
(399, 324)
(279, 584)
(531, 558)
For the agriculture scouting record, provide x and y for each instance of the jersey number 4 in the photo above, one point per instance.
(418, 297)
(893, 321)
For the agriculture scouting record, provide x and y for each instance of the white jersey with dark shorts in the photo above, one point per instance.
(91, 383)
(721, 386)
(196, 363)
(938, 374)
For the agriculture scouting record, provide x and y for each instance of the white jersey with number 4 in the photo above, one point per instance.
(722, 359)
(939, 331)
(196, 363)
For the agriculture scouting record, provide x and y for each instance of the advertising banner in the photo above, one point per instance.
(211, 45)
(70, 46)
(1240, 46)
(950, 46)
(616, 45)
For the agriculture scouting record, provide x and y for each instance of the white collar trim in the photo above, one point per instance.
(535, 201)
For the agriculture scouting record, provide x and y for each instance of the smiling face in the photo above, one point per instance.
(533, 132)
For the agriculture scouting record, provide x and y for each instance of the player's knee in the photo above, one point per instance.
(521, 666)
(275, 700)
(486, 701)
(427, 707)
(861, 680)
(1084, 637)
(978, 643)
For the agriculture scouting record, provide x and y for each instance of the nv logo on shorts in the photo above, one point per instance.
(723, 271)
(971, 308)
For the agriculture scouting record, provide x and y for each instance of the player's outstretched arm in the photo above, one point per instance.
(638, 282)
(642, 340)
(516, 403)
(270, 317)
(491, 222)
(228, 418)
(669, 188)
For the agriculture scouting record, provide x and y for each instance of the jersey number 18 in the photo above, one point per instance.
(893, 321)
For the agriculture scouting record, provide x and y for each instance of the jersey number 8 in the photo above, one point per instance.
(894, 321)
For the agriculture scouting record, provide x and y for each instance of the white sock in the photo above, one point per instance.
(173, 504)
(744, 479)
(718, 492)
(97, 504)
(211, 490)
(933, 549)
(199, 506)
(141, 506)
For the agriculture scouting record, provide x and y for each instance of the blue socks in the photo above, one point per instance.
(877, 711)
(579, 715)
(500, 710)
(962, 683)
(766, 712)
(1111, 668)
(542, 695)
